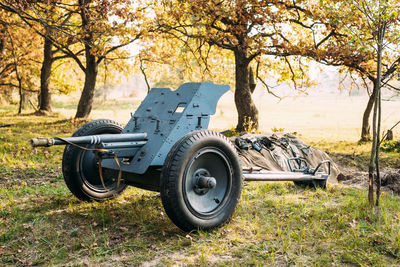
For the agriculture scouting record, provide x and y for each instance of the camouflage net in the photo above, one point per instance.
(271, 152)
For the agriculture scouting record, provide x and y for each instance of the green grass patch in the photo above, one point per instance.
(41, 223)
(391, 146)
(357, 155)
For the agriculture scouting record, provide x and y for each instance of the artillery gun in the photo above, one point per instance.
(166, 147)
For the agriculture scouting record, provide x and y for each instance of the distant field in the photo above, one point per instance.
(329, 117)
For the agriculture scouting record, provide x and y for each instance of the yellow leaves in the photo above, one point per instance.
(66, 77)
(169, 62)
(20, 50)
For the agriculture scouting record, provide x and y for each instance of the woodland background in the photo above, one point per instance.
(326, 70)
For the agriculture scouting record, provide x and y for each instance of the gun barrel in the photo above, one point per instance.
(89, 140)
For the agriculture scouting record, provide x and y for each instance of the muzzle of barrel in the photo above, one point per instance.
(36, 142)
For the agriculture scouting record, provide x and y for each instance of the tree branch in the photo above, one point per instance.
(264, 83)
(384, 137)
(325, 39)
(116, 47)
(293, 74)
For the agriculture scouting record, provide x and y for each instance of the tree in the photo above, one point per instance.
(96, 28)
(45, 74)
(166, 64)
(98, 35)
(50, 55)
(344, 49)
(248, 29)
(26, 30)
(375, 26)
(18, 64)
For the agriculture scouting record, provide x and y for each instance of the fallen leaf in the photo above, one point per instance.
(188, 236)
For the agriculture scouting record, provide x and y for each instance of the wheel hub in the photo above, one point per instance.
(204, 181)
(207, 181)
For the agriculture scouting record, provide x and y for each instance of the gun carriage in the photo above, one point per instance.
(166, 147)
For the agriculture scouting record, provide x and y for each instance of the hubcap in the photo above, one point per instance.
(204, 181)
(207, 181)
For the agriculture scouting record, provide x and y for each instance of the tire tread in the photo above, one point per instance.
(170, 172)
(68, 160)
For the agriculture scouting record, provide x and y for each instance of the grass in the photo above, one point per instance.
(356, 155)
(41, 223)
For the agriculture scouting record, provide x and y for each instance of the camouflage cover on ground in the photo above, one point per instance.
(272, 151)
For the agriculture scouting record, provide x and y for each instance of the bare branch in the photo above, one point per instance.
(143, 70)
(325, 39)
(391, 129)
(264, 83)
(116, 47)
(293, 74)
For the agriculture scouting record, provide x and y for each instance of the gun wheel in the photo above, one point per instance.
(201, 181)
(80, 167)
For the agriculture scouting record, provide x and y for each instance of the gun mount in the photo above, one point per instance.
(166, 147)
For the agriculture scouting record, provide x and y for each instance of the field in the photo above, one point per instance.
(327, 117)
(41, 223)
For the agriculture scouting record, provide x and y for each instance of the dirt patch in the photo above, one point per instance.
(390, 179)
(16, 176)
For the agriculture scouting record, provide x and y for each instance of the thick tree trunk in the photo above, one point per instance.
(252, 81)
(86, 100)
(45, 73)
(247, 111)
(365, 129)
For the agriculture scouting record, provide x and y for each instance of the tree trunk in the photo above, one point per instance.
(86, 100)
(371, 167)
(374, 159)
(381, 36)
(389, 135)
(247, 111)
(45, 73)
(21, 97)
(252, 81)
(378, 173)
(365, 129)
(19, 78)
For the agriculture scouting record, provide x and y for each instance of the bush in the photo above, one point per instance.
(391, 146)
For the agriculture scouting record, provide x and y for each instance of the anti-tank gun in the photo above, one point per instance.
(166, 147)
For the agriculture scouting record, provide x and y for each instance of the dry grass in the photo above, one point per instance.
(275, 224)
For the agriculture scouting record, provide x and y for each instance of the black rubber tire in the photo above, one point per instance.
(196, 151)
(312, 184)
(80, 167)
